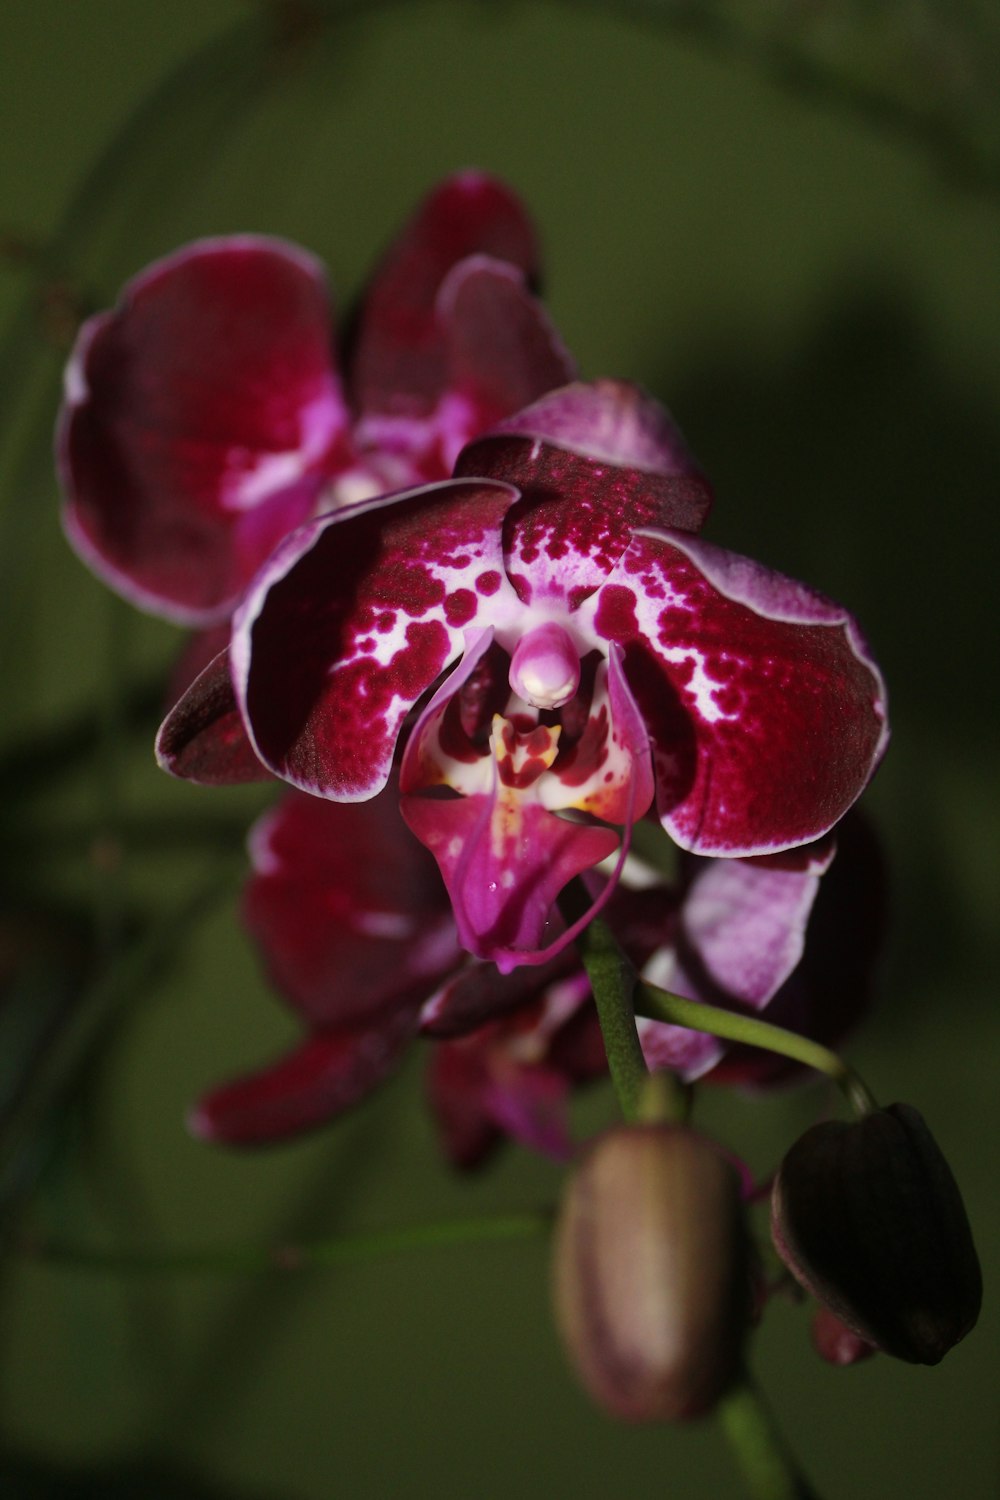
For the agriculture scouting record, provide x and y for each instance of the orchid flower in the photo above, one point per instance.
(208, 414)
(552, 648)
(366, 954)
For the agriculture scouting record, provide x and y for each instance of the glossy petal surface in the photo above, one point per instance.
(746, 925)
(766, 713)
(593, 462)
(198, 416)
(504, 865)
(203, 738)
(352, 620)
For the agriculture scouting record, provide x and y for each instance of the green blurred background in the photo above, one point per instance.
(815, 293)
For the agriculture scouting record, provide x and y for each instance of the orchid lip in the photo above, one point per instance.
(545, 667)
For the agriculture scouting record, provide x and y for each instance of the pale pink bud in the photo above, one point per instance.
(651, 1273)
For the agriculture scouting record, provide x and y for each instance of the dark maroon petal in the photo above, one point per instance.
(593, 462)
(328, 1074)
(199, 420)
(351, 621)
(501, 1076)
(400, 361)
(203, 739)
(766, 712)
(480, 993)
(347, 909)
(198, 652)
(455, 1077)
(529, 1103)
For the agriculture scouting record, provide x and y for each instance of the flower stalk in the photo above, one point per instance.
(612, 979)
(768, 1468)
(661, 1005)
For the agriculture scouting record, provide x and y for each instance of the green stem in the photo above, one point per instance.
(612, 980)
(769, 1469)
(254, 1260)
(661, 1005)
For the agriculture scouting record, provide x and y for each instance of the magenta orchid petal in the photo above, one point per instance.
(503, 854)
(832, 986)
(767, 714)
(608, 772)
(529, 1103)
(455, 1079)
(198, 418)
(203, 738)
(593, 462)
(613, 422)
(504, 865)
(350, 622)
(746, 924)
(502, 350)
(423, 759)
(400, 364)
(328, 1073)
(806, 859)
(512, 1077)
(347, 909)
(687, 1053)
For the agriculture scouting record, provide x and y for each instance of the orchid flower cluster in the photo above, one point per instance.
(457, 599)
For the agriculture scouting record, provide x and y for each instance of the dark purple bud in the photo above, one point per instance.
(868, 1217)
(652, 1276)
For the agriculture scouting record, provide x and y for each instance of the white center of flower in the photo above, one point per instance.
(545, 668)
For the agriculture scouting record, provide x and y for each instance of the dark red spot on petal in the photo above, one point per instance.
(615, 619)
(460, 607)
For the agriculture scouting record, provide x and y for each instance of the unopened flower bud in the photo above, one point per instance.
(868, 1217)
(651, 1273)
(835, 1342)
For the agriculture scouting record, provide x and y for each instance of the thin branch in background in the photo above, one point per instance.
(925, 75)
(254, 1260)
(86, 1032)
